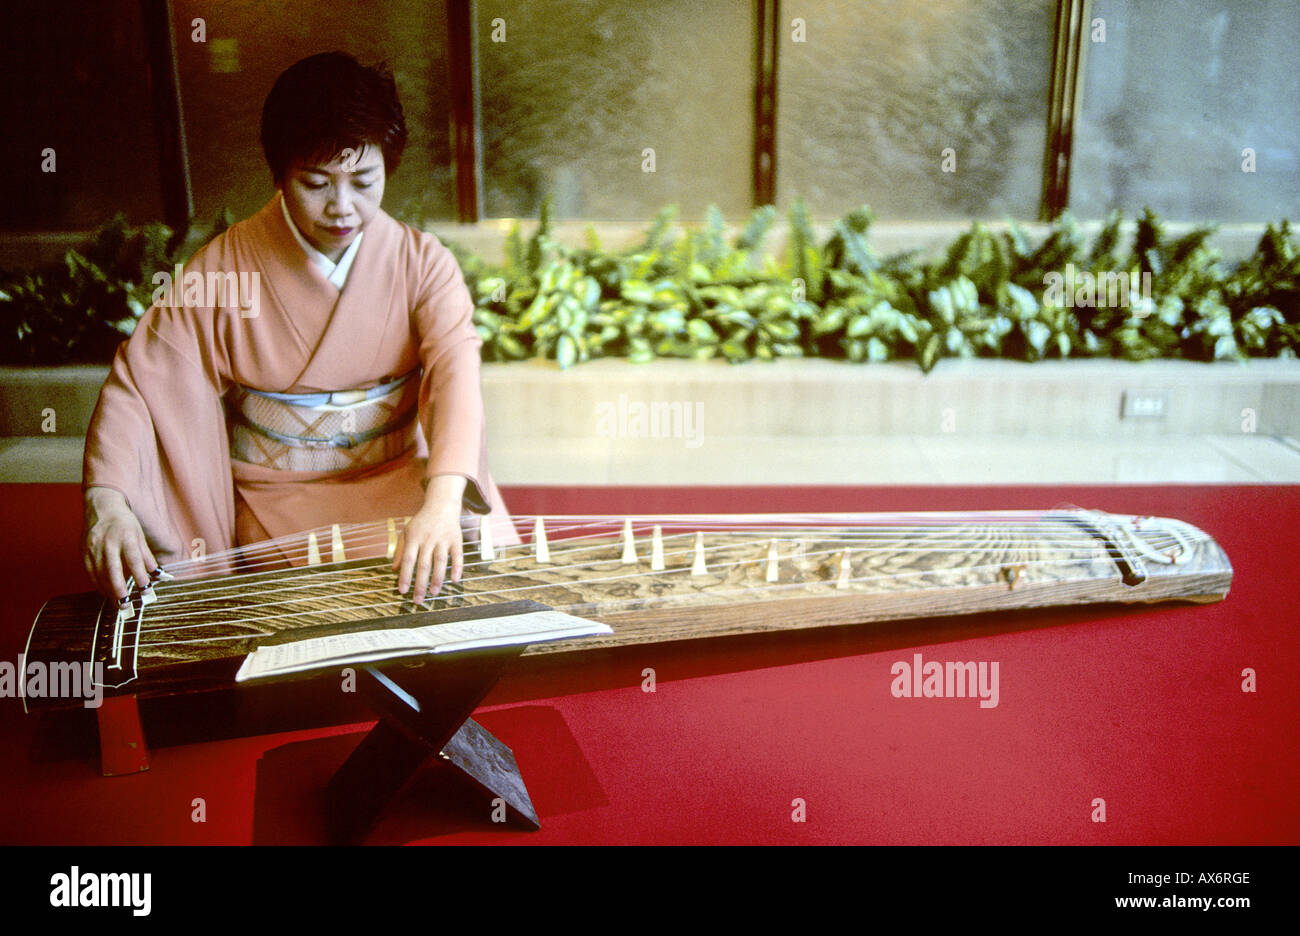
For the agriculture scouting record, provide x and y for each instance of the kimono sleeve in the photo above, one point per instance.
(158, 434)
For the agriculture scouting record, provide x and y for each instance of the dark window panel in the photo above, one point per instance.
(578, 91)
(868, 102)
(76, 81)
(223, 87)
(1171, 99)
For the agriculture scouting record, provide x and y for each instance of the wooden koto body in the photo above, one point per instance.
(651, 579)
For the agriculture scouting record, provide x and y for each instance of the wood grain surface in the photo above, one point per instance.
(199, 629)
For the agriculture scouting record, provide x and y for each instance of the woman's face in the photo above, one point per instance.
(332, 203)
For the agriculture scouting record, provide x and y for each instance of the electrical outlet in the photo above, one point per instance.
(1145, 404)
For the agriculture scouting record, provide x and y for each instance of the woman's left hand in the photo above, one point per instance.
(431, 538)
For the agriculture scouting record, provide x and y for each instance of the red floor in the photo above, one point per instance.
(1141, 708)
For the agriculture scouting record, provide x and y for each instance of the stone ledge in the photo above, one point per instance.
(487, 239)
(1236, 241)
(810, 398)
(817, 398)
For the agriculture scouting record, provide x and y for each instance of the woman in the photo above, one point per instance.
(227, 422)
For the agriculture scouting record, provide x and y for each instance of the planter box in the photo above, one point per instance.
(487, 239)
(27, 393)
(805, 399)
(814, 422)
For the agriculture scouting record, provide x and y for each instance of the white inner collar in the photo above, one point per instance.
(336, 273)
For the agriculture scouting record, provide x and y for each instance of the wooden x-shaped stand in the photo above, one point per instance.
(424, 711)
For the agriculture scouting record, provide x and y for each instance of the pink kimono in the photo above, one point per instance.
(159, 433)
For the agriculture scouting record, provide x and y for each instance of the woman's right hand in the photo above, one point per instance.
(114, 545)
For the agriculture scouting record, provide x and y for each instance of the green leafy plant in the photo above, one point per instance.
(695, 295)
(81, 309)
(700, 294)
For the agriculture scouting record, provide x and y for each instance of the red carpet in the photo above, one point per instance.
(1140, 708)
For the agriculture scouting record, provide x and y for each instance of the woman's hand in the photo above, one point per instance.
(114, 543)
(432, 537)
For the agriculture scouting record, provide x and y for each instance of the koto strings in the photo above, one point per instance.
(263, 589)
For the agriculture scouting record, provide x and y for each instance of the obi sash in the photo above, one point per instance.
(335, 431)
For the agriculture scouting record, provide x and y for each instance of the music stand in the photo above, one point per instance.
(424, 706)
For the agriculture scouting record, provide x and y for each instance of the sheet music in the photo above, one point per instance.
(372, 645)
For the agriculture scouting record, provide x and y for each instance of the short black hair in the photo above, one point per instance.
(327, 103)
